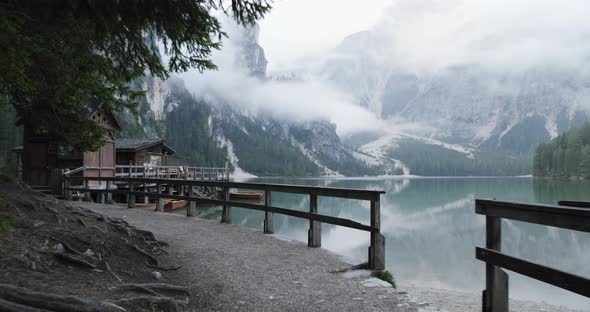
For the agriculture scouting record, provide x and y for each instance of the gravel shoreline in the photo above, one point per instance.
(434, 299)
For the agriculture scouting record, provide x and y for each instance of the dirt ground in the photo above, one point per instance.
(50, 249)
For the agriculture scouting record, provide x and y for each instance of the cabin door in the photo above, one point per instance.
(39, 172)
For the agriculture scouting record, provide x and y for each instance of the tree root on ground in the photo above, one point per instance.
(73, 259)
(30, 300)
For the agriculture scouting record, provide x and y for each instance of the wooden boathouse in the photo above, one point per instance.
(43, 159)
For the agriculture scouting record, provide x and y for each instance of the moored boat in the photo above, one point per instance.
(253, 196)
(171, 204)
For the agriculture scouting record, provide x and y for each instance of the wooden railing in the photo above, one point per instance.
(495, 296)
(185, 190)
(172, 172)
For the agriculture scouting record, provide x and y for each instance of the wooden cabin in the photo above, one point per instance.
(44, 159)
(144, 151)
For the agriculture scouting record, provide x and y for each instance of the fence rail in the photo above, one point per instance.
(568, 215)
(175, 172)
(185, 191)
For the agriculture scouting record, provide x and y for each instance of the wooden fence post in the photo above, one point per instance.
(131, 197)
(377, 248)
(314, 234)
(159, 199)
(146, 199)
(225, 212)
(67, 192)
(495, 296)
(268, 216)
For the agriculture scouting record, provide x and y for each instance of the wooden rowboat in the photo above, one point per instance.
(171, 204)
(253, 196)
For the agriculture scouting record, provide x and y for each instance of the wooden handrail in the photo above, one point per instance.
(377, 245)
(495, 296)
(286, 188)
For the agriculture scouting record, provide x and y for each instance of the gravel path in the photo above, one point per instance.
(234, 268)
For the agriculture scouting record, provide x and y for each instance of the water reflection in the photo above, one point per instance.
(431, 230)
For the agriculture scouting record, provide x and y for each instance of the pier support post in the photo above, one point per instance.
(495, 296)
(377, 248)
(146, 198)
(191, 210)
(268, 216)
(131, 197)
(314, 234)
(159, 199)
(109, 199)
(225, 212)
(87, 197)
(67, 193)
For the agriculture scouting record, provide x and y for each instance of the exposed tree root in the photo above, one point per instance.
(162, 287)
(106, 264)
(141, 251)
(52, 302)
(73, 259)
(8, 306)
(164, 304)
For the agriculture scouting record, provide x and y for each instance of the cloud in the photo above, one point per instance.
(498, 34)
(294, 100)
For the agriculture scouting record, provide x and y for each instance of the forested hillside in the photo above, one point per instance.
(566, 156)
(434, 160)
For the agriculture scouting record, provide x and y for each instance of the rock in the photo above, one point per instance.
(59, 248)
(157, 275)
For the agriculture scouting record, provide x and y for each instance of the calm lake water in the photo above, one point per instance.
(431, 230)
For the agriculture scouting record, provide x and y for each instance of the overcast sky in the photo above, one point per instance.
(433, 34)
(298, 28)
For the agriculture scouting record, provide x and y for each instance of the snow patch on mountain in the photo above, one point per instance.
(233, 159)
(309, 154)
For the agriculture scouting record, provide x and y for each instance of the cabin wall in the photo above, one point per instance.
(141, 156)
(103, 158)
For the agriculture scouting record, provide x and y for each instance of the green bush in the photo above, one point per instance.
(385, 276)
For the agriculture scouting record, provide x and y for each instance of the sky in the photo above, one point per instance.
(299, 28)
(433, 34)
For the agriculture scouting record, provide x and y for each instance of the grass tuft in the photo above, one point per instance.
(385, 276)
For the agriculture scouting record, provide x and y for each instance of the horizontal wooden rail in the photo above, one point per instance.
(559, 216)
(539, 272)
(571, 203)
(568, 215)
(185, 188)
(283, 211)
(286, 188)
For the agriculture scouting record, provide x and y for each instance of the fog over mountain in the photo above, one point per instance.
(431, 88)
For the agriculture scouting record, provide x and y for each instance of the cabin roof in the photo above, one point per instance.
(132, 145)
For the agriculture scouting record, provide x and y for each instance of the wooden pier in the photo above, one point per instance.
(183, 189)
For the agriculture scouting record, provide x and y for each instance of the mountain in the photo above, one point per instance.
(211, 129)
(459, 120)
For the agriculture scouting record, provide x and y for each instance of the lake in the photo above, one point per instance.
(431, 230)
